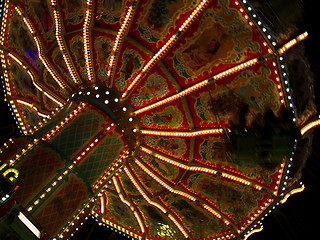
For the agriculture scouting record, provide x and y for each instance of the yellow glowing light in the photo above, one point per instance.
(236, 68)
(166, 46)
(182, 133)
(293, 42)
(197, 86)
(212, 211)
(39, 86)
(181, 228)
(162, 182)
(61, 43)
(204, 169)
(116, 43)
(14, 171)
(309, 126)
(139, 220)
(294, 191)
(39, 47)
(86, 40)
(29, 224)
(141, 191)
(164, 231)
(253, 231)
(33, 107)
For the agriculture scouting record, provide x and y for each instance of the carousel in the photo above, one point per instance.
(161, 119)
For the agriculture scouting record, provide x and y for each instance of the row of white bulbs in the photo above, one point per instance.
(106, 102)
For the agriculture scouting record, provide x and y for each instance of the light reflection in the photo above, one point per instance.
(164, 230)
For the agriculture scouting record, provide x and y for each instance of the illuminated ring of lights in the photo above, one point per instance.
(119, 110)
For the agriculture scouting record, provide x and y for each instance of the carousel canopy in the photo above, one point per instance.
(197, 91)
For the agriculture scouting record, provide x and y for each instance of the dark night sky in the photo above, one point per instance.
(298, 217)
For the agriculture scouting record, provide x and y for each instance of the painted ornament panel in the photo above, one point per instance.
(120, 213)
(224, 102)
(73, 13)
(127, 186)
(222, 37)
(212, 149)
(110, 11)
(170, 117)
(159, 16)
(52, 85)
(56, 57)
(164, 169)
(154, 87)
(21, 42)
(22, 83)
(131, 62)
(31, 117)
(40, 13)
(76, 50)
(234, 200)
(102, 49)
(159, 225)
(175, 147)
(147, 181)
(199, 221)
(48, 104)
